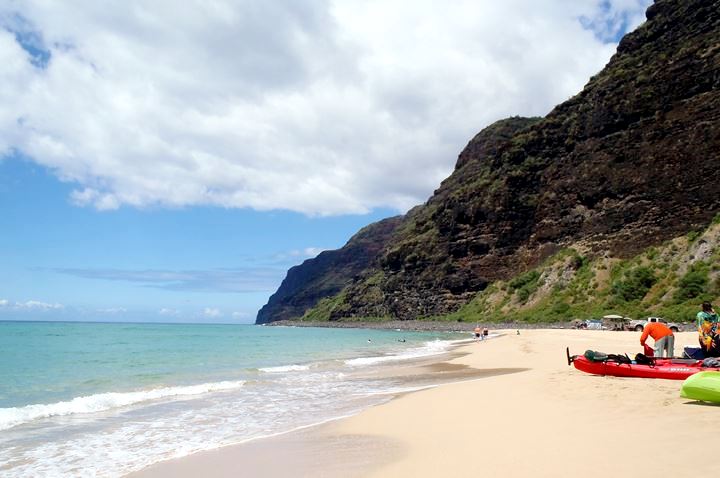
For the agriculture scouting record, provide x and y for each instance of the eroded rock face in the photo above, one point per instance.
(629, 162)
(327, 274)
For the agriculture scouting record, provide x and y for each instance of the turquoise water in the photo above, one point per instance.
(139, 393)
(48, 362)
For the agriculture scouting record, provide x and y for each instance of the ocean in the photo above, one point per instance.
(105, 399)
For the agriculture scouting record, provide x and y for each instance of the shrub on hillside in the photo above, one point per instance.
(524, 285)
(634, 285)
(524, 279)
(692, 285)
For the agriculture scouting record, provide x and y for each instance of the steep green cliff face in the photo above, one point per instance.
(669, 280)
(631, 162)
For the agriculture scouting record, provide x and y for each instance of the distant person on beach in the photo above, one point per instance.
(477, 333)
(663, 337)
(707, 325)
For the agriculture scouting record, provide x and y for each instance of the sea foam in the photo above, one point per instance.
(11, 417)
(435, 347)
(285, 368)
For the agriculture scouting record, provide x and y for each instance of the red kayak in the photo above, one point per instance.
(668, 368)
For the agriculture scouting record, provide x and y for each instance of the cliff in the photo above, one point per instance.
(327, 274)
(629, 163)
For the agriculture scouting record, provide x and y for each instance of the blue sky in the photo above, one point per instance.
(61, 261)
(165, 163)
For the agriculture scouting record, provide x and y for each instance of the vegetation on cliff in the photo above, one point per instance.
(669, 280)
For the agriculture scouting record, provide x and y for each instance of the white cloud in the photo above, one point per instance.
(307, 252)
(113, 310)
(30, 305)
(312, 251)
(616, 16)
(322, 107)
(37, 305)
(169, 312)
(218, 280)
(295, 254)
(212, 312)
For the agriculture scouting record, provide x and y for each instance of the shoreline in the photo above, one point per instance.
(546, 419)
(421, 325)
(242, 383)
(422, 373)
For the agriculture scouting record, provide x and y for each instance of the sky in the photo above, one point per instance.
(165, 161)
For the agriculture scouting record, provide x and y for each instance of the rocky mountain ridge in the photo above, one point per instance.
(629, 163)
(327, 274)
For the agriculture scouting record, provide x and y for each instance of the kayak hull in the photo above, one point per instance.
(666, 369)
(703, 386)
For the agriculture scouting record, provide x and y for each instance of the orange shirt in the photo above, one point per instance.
(656, 330)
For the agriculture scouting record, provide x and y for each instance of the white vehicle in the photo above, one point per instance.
(591, 324)
(639, 325)
(616, 322)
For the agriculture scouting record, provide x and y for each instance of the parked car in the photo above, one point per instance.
(639, 325)
(616, 322)
(592, 324)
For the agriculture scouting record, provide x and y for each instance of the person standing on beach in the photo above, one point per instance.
(663, 337)
(707, 325)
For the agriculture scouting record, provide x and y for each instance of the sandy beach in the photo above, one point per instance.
(514, 409)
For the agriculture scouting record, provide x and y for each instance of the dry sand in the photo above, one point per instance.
(529, 415)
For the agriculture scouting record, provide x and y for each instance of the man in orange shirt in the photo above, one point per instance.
(663, 336)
